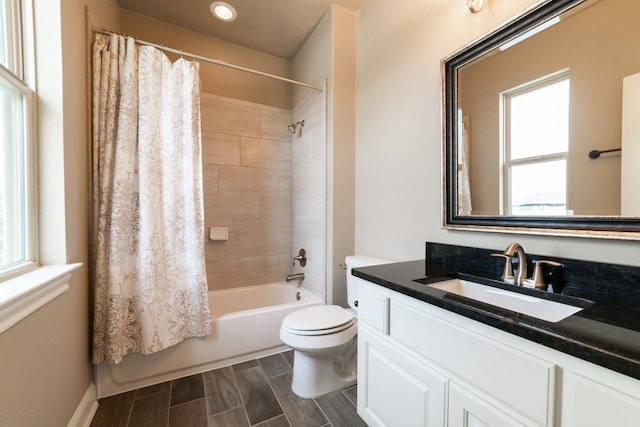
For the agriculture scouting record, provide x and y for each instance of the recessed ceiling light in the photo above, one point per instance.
(223, 11)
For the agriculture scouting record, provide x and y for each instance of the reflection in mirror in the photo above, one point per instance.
(525, 105)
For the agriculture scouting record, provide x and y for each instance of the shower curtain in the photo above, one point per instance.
(464, 187)
(150, 286)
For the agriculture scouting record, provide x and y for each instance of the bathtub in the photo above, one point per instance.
(245, 325)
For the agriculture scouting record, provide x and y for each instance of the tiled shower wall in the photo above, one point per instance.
(309, 192)
(247, 185)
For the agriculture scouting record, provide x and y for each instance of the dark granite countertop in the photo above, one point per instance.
(606, 332)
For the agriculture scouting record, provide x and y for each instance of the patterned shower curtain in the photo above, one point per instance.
(150, 287)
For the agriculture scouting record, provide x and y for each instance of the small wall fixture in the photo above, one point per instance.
(293, 126)
(475, 6)
(223, 11)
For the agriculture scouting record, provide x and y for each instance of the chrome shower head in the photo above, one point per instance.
(294, 126)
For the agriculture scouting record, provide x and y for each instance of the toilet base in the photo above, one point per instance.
(315, 376)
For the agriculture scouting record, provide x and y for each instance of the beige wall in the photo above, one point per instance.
(44, 361)
(246, 151)
(596, 73)
(216, 79)
(398, 138)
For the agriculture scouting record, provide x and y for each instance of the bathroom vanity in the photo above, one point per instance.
(429, 357)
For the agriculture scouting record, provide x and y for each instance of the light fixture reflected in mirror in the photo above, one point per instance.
(475, 6)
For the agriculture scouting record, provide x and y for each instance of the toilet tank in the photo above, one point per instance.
(353, 282)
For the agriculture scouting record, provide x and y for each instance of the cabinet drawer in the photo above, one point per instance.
(373, 309)
(514, 378)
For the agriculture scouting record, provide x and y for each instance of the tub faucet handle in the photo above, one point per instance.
(301, 258)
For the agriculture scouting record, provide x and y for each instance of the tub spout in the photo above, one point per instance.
(297, 276)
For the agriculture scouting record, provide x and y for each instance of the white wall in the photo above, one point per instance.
(398, 142)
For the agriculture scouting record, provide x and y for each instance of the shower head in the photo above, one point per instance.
(294, 126)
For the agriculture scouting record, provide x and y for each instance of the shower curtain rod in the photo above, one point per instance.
(215, 61)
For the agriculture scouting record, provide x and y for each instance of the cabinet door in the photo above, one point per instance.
(395, 389)
(468, 410)
(593, 404)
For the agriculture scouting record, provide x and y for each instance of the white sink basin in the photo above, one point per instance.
(543, 309)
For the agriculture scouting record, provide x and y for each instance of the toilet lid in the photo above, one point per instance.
(318, 318)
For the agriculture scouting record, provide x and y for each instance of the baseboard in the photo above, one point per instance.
(86, 409)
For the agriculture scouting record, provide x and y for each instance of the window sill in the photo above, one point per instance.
(24, 294)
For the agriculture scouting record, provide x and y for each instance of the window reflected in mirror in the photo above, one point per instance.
(535, 145)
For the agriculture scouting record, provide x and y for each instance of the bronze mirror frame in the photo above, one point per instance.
(615, 227)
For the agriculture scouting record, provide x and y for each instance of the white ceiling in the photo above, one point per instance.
(276, 27)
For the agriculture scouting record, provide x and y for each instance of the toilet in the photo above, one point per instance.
(324, 339)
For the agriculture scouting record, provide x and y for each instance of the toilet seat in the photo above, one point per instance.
(318, 320)
(321, 331)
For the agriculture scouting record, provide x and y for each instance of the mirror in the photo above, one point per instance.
(541, 124)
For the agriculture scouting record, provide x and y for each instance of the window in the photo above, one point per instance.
(17, 195)
(535, 147)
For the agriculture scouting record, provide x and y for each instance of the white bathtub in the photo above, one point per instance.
(246, 325)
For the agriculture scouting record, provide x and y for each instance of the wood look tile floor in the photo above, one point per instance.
(254, 393)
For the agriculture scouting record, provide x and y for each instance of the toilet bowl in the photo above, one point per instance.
(324, 340)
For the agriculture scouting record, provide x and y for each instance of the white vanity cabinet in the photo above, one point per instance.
(419, 365)
(416, 369)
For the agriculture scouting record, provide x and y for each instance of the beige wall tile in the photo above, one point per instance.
(309, 192)
(275, 211)
(284, 184)
(220, 148)
(265, 240)
(233, 273)
(230, 118)
(274, 125)
(247, 175)
(230, 211)
(261, 153)
(223, 249)
(241, 181)
(209, 181)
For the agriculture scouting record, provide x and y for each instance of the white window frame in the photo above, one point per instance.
(20, 76)
(14, 26)
(506, 160)
(29, 286)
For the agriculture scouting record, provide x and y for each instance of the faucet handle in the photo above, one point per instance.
(301, 258)
(538, 280)
(507, 273)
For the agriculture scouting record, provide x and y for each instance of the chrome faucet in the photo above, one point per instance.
(296, 276)
(512, 250)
